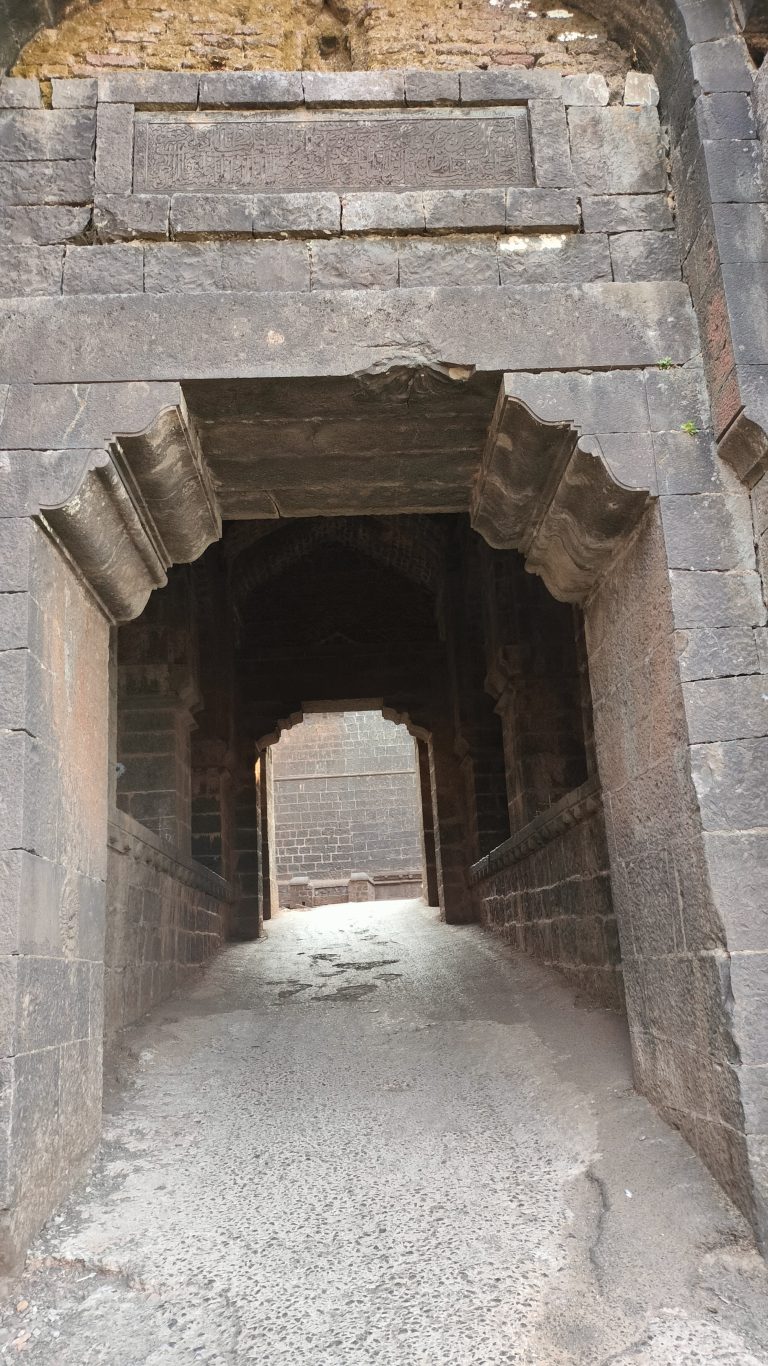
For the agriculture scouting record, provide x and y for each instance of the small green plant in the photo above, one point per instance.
(665, 363)
(689, 428)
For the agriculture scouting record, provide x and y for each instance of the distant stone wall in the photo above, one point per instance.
(284, 34)
(346, 798)
(548, 890)
(166, 916)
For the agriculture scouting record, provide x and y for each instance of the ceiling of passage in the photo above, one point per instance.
(401, 442)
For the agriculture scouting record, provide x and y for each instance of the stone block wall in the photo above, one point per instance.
(553, 186)
(346, 799)
(548, 891)
(166, 916)
(53, 816)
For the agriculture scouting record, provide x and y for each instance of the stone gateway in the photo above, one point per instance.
(437, 389)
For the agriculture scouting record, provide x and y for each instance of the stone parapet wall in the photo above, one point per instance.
(548, 891)
(302, 893)
(166, 917)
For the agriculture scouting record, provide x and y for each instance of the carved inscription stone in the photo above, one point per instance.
(318, 152)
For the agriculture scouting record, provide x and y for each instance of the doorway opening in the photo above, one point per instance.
(452, 754)
(346, 801)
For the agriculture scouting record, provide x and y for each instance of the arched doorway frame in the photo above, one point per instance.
(113, 512)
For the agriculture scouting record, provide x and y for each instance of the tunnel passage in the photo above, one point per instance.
(417, 616)
(557, 804)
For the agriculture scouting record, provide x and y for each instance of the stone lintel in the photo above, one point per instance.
(68, 340)
(543, 491)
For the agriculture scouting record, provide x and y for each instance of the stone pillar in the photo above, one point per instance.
(212, 814)
(213, 755)
(451, 854)
(154, 783)
(270, 895)
(479, 745)
(536, 683)
(158, 693)
(249, 906)
(431, 888)
(54, 709)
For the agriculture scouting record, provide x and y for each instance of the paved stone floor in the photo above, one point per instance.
(375, 1140)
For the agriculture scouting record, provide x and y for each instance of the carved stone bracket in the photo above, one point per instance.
(124, 513)
(549, 494)
(503, 675)
(572, 809)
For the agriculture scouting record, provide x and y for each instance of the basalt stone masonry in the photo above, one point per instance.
(441, 393)
(346, 810)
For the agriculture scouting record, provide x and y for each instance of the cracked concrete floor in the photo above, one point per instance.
(375, 1140)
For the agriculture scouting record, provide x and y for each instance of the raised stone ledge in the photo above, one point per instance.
(397, 260)
(302, 892)
(572, 809)
(270, 89)
(128, 836)
(63, 340)
(327, 214)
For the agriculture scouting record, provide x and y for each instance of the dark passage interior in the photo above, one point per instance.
(413, 615)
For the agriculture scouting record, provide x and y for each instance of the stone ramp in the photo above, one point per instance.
(374, 1138)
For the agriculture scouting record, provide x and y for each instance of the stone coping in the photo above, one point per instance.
(320, 89)
(572, 809)
(125, 833)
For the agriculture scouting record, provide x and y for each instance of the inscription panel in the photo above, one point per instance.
(393, 152)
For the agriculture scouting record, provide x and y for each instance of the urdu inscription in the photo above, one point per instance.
(232, 155)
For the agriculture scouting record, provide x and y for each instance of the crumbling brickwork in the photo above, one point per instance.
(314, 35)
(345, 798)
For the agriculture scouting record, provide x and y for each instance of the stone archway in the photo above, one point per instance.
(610, 546)
(635, 519)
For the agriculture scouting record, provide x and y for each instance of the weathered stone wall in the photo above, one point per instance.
(548, 891)
(593, 331)
(53, 815)
(106, 204)
(661, 782)
(345, 797)
(166, 916)
(312, 35)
